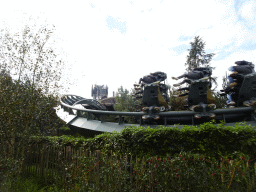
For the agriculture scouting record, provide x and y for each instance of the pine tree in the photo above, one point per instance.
(197, 56)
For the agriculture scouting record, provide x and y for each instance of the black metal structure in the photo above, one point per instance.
(170, 118)
(155, 110)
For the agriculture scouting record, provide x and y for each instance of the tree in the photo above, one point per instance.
(225, 81)
(197, 56)
(27, 55)
(125, 102)
(29, 87)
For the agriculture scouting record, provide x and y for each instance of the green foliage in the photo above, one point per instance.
(112, 172)
(187, 170)
(207, 139)
(177, 103)
(194, 157)
(125, 102)
(219, 101)
(30, 184)
(30, 75)
(64, 131)
(64, 128)
(8, 168)
(194, 172)
(197, 56)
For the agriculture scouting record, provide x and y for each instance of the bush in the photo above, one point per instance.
(213, 157)
(207, 139)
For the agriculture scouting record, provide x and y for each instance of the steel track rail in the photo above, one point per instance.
(167, 116)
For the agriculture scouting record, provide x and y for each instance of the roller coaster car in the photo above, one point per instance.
(154, 100)
(246, 94)
(200, 99)
(153, 94)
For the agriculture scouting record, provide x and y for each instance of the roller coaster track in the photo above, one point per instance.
(82, 117)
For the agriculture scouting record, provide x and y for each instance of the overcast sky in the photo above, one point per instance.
(116, 42)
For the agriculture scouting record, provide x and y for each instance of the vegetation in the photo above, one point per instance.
(225, 81)
(219, 140)
(220, 101)
(30, 75)
(197, 56)
(177, 103)
(126, 102)
(185, 171)
(143, 159)
(30, 184)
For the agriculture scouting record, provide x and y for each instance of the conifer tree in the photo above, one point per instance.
(197, 56)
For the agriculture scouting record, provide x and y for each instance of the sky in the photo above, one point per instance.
(115, 43)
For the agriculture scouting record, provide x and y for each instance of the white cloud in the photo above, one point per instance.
(248, 12)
